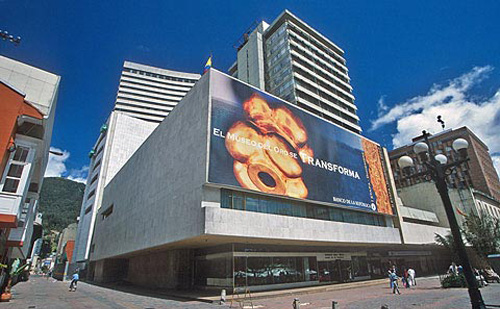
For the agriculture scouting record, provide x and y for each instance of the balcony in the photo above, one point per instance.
(20, 237)
(9, 209)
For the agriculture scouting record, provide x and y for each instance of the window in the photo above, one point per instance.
(92, 193)
(19, 165)
(263, 204)
(24, 212)
(107, 212)
(94, 179)
(96, 165)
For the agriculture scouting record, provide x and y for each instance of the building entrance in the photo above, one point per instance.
(335, 271)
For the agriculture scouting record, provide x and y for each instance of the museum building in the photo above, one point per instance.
(253, 192)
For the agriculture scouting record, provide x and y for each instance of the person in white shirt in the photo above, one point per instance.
(411, 274)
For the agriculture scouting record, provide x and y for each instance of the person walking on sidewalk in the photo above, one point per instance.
(394, 280)
(411, 273)
(74, 281)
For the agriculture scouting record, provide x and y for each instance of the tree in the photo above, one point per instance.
(449, 243)
(483, 233)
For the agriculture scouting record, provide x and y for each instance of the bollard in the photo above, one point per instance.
(296, 303)
(334, 304)
(223, 297)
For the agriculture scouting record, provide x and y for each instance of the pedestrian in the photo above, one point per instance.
(394, 279)
(453, 269)
(74, 281)
(412, 274)
(406, 279)
(389, 272)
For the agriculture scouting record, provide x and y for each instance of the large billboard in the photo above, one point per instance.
(264, 144)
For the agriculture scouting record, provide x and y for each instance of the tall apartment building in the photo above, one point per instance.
(478, 173)
(150, 93)
(146, 95)
(293, 61)
(28, 99)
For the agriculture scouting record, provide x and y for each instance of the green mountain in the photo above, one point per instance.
(60, 202)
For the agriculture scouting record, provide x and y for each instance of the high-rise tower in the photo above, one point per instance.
(146, 95)
(291, 60)
(150, 93)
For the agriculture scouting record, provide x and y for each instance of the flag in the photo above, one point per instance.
(208, 65)
(460, 212)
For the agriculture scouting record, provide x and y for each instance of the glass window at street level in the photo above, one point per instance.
(250, 271)
(360, 266)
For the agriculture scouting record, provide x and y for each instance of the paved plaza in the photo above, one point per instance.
(42, 293)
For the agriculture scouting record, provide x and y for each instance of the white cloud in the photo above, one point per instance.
(56, 167)
(437, 95)
(79, 175)
(453, 102)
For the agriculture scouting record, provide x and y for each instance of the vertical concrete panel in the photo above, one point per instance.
(157, 194)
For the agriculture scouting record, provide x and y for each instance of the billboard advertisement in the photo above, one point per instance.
(264, 144)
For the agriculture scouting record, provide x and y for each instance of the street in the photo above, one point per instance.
(42, 293)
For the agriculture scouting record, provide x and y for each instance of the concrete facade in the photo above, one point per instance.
(146, 95)
(146, 198)
(424, 196)
(161, 219)
(121, 138)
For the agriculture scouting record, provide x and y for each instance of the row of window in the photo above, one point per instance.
(326, 117)
(326, 106)
(320, 62)
(165, 92)
(165, 109)
(279, 206)
(159, 82)
(331, 81)
(301, 34)
(303, 82)
(150, 96)
(177, 79)
(134, 112)
(154, 84)
(163, 103)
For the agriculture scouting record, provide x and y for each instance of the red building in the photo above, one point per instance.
(28, 98)
(13, 107)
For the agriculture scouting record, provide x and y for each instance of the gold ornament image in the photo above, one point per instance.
(266, 149)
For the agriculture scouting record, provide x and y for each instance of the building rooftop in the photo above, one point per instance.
(39, 86)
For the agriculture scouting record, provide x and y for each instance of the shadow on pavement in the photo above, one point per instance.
(175, 295)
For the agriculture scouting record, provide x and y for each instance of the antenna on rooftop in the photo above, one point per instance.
(244, 37)
(441, 121)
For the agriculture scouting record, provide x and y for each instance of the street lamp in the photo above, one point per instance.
(4, 35)
(438, 169)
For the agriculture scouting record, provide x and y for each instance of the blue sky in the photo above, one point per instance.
(408, 60)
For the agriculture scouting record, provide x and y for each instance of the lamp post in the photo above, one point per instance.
(4, 35)
(438, 169)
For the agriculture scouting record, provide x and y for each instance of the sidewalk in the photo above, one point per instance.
(41, 293)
